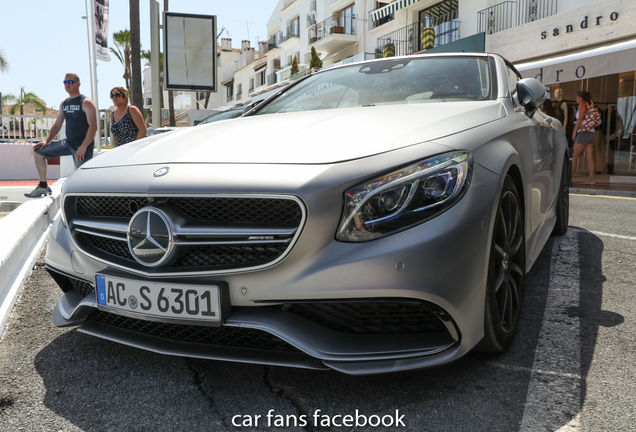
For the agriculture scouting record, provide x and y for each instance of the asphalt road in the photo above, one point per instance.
(571, 368)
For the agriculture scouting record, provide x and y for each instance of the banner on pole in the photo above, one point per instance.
(101, 30)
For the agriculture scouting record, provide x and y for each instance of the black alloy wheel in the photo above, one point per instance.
(506, 273)
(563, 201)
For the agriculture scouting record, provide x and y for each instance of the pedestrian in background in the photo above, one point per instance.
(584, 139)
(80, 115)
(126, 122)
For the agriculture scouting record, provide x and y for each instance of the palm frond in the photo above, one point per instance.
(4, 64)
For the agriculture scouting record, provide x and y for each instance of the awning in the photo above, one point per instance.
(604, 60)
(380, 13)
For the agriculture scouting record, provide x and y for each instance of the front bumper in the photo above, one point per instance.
(442, 271)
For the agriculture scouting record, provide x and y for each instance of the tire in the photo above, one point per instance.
(563, 202)
(506, 273)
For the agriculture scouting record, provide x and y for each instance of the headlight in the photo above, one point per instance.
(404, 198)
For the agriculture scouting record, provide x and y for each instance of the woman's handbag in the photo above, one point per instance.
(591, 121)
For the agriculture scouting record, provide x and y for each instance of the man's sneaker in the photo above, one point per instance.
(39, 192)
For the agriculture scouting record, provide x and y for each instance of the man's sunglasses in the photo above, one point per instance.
(114, 95)
(70, 81)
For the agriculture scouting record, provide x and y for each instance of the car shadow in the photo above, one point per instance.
(101, 386)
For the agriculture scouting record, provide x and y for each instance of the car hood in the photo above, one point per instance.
(308, 137)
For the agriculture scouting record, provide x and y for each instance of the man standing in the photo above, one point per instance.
(81, 124)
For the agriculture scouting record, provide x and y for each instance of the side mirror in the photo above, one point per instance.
(531, 94)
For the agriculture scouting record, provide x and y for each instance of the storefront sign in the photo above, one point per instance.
(587, 22)
(606, 60)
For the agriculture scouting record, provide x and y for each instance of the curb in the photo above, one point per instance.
(23, 232)
(605, 192)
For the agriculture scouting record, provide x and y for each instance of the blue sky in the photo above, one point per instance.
(44, 39)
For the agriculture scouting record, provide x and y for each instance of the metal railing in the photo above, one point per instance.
(274, 41)
(293, 31)
(407, 40)
(335, 24)
(496, 18)
(25, 127)
(509, 14)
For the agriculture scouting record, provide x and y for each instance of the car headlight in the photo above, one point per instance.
(404, 198)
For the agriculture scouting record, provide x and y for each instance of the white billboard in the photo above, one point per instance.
(189, 51)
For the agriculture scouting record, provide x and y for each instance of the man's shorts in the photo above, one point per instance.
(61, 148)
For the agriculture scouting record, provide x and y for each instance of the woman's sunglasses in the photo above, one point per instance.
(69, 81)
(114, 95)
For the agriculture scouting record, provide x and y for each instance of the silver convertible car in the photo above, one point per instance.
(375, 217)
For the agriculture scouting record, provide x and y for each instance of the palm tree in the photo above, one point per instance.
(20, 101)
(135, 56)
(4, 64)
(122, 52)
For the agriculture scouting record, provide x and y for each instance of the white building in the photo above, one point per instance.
(571, 45)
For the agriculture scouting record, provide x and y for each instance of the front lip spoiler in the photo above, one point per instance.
(246, 355)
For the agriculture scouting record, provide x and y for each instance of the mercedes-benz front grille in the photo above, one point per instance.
(207, 234)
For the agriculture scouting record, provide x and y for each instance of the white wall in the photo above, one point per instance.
(16, 163)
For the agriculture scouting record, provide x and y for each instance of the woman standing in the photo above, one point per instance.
(126, 121)
(583, 140)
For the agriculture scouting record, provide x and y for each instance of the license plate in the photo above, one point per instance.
(189, 302)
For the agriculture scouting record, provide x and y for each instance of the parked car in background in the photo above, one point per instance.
(223, 115)
(383, 220)
(164, 129)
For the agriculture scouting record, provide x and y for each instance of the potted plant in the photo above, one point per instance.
(336, 23)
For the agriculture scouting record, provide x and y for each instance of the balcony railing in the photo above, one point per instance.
(509, 14)
(272, 79)
(292, 32)
(335, 24)
(239, 95)
(496, 18)
(230, 98)
(274, 41)
(408, 40)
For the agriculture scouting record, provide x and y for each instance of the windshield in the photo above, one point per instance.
(391, 81)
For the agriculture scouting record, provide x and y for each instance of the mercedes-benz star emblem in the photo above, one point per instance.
(150, 237)
(161, 172)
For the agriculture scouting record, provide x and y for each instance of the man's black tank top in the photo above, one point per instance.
(76, 123)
